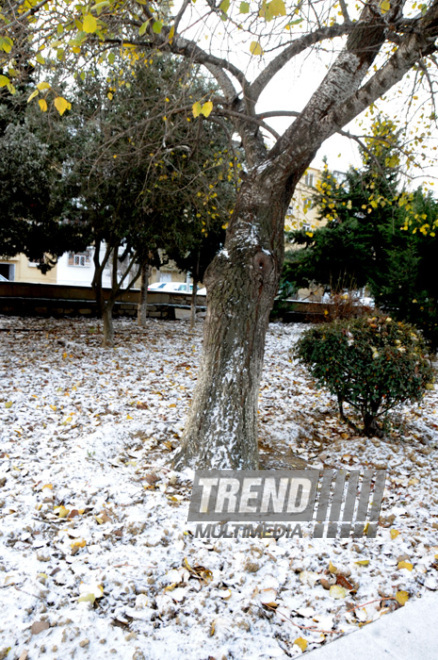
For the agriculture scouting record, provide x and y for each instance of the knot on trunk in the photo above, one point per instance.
(263, 263)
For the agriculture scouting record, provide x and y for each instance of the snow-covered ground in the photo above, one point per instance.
(96, 557)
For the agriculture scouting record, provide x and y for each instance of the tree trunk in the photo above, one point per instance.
(108, 325)
(143, 304)
(242, 281)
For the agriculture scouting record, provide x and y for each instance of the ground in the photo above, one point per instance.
(96, 555)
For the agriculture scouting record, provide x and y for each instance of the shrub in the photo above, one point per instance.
(373, 363)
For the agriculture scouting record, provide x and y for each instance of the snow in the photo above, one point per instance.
(96, 556)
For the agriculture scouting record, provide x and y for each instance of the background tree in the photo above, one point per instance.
(146, 183)
(377, 234)
(367, 48)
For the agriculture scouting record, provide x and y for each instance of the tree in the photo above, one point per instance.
(144, 184)
(373, 46)
(34, 198)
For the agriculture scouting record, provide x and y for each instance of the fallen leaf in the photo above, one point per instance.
(39, 626)
(405, 564)
(337, 592)
(402, 597)
(301, 643)
(394, 533)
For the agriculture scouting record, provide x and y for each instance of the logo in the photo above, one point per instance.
(337, 503)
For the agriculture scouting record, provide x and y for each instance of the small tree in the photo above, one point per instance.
(372, 363)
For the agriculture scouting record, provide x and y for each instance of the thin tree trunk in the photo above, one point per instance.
(143, 304)
(193, 303)
(108, 324)
(242, 281)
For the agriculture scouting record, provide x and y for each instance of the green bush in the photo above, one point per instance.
(373, 363)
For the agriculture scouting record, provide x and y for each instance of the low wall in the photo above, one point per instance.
(22, 299)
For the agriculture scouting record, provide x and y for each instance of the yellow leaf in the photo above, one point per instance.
(277, 8)
(61, 105)
(6, 44)
(301, 643)
(43, 106)
(43, 85)
(32, 96)
(337, 592)
(128, 416)
(47, 486)
(89, 24)
(171, 33)
(52, 407)
(255, 48)
(333, 568)
(196, 109)
(87, 598)
(362, 562)
(402, 597)
(413, 482)
(385, 6)
(79, 544)
(4, 80)
(207, 108)
(405, 564)
(429, 386)
(9, 404)
(62, 511)
(394, 533)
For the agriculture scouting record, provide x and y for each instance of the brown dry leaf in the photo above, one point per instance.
(39, 626)
(198, 572)
(152, 478)
(342, 580)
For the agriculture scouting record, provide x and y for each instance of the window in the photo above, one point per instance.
(81, 259)
(309, 179)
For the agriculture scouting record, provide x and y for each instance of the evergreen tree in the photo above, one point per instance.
(376, 235)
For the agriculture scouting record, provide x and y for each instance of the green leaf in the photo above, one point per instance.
(40, 59)
(224, 6)
(6, 44)
(143, 27)
(157, 27)
(89, 24)
(111, 58)
(100, 5)
(244, 8)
